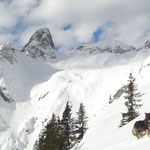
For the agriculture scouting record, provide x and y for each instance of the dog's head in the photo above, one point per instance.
(147, 117)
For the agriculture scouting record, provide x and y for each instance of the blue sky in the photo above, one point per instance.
(72, 22)
(96, 34)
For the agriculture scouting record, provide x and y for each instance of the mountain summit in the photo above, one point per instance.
(40, 44)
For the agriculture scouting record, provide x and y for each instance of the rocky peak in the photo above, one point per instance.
(147, 44)
(40, 44)
(8, 52)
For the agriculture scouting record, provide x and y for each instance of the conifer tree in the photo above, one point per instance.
(67, 123)
(110, 100)
(63, 134)
(81, 122)
(51, 137)
(133, 101)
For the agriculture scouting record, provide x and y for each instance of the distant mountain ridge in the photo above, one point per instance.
(109, 46)
(40, 45)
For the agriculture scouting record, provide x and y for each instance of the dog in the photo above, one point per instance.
(142, 126)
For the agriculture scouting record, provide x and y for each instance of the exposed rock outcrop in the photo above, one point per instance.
(40, 45)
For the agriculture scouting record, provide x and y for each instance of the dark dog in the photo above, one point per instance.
(142, 126)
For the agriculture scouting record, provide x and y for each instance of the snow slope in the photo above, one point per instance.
(41, 87)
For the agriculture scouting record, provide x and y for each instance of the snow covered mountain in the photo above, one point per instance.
(110, 46)
(8, 52)
(34, 85)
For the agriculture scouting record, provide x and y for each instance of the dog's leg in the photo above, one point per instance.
(138, 136)
(148, 132)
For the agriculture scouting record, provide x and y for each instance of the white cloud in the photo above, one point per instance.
(7, 18)
(5, 37)
(130, 19)
(132, 32)
(13, 13)
(21, 7)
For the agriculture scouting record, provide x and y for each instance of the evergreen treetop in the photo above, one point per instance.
(81, 122)
(67, 124)
(133, 101)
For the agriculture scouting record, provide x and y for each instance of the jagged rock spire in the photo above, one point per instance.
(40, 44)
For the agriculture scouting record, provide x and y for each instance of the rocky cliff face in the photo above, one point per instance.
(147, 44)
(40, 45)
(8, 52)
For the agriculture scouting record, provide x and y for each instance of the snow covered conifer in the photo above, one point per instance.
(81, 122)
(132, 103)
(110, 100)
(67, 123)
